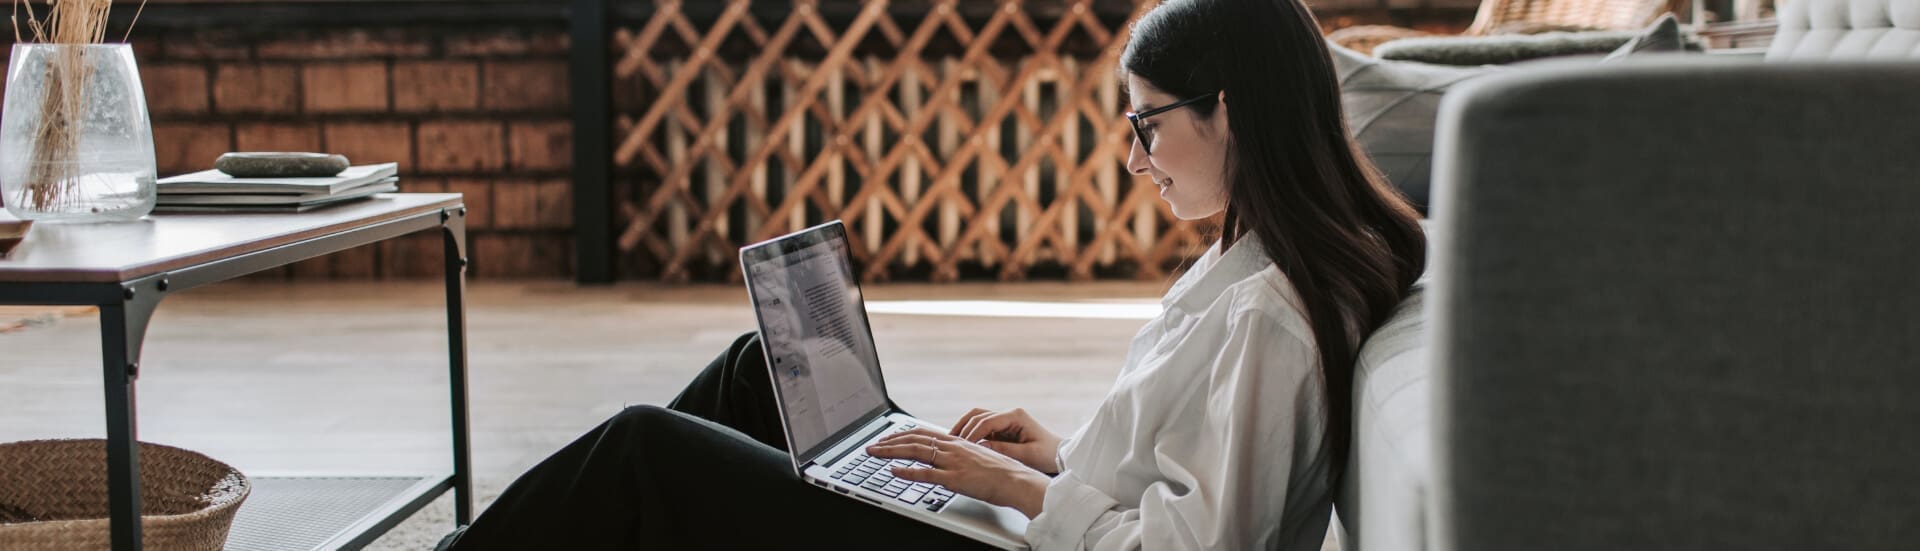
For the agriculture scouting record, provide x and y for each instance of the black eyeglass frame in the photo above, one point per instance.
(1140, 132)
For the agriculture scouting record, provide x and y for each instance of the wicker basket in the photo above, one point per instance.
(53, 496)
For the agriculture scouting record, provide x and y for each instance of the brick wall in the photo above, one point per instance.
(478, 111)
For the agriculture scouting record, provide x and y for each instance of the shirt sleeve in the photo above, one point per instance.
(1060, 456)
(1224, 479)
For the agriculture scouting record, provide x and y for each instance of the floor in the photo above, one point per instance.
(350, 377)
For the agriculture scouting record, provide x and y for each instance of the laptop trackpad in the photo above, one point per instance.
(1005, 520)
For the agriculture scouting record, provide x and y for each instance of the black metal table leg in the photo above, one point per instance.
(123, 325)
(453, 225)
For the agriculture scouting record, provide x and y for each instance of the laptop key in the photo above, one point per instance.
(912, 496)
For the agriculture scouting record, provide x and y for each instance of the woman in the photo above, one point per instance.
(1228, 426)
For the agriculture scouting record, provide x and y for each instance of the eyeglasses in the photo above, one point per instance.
(1145, 134)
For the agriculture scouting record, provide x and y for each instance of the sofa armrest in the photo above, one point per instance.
(1684, 322)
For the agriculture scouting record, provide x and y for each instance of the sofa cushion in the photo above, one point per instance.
(1501, 49)
(1382, 498)
(1390, 107)
(1847, 29)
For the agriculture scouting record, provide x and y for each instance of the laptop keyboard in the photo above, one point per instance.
(874, 474)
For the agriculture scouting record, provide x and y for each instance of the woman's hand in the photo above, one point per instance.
(966, 468)
(1012, 433)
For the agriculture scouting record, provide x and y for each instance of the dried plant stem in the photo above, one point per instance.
(53, 175)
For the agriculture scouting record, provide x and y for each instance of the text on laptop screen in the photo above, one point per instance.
(818, 343)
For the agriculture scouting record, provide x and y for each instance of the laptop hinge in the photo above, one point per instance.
(847, 446)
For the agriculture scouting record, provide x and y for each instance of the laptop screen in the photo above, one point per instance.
(814, 327)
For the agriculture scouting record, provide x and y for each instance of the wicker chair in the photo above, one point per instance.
(1362, 38)
(1522, 17)
(1498, 16)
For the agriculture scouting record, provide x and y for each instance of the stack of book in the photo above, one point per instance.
(216, 191)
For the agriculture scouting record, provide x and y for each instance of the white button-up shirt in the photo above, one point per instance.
(1214, 437)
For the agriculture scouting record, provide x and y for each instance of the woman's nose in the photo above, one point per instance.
(1137, 162)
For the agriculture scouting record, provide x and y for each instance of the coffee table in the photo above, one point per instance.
(126, 269)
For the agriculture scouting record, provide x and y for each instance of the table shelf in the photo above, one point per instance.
(317, 512)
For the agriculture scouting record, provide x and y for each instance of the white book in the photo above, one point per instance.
(382, 186)
(256, 204)
(215, 181)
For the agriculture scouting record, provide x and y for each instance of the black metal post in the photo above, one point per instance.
(123, 325)
(453, 226)
(591, 91)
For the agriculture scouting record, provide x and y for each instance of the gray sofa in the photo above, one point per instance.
(1680, 323)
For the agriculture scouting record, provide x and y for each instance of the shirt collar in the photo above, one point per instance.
(1214, 272)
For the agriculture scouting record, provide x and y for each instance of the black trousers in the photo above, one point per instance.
(709, 471)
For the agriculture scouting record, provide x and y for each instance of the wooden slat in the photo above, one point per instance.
(903, 143)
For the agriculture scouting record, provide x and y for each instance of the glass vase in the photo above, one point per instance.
(75, 142)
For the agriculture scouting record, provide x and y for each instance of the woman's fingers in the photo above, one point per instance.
(929, 433)
(990, 426)
(903, 438)
(930, 476)
(924, 452)
(966, 419)
(915, 436)
(966, 431)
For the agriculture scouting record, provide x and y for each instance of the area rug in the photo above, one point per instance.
(21, 318)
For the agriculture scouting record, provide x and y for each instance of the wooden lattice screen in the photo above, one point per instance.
(954, 138)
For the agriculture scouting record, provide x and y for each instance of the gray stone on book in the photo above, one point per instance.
(281, 165)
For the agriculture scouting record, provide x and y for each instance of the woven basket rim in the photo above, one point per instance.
(219, 504)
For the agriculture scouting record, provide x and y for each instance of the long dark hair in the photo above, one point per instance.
(1350, 243)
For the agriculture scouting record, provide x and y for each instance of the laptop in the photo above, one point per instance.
(833, 402)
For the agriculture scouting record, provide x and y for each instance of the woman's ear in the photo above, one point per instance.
(1221, 111)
